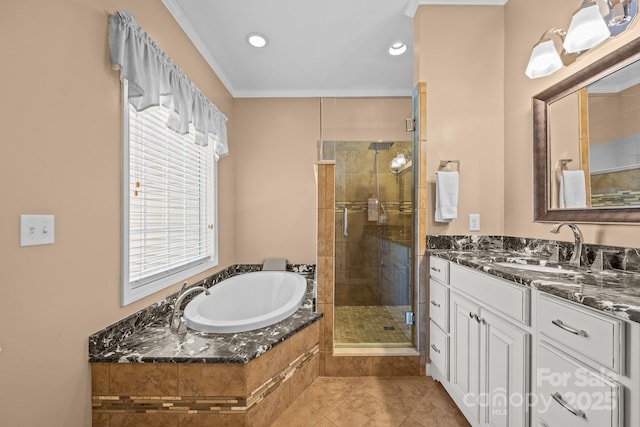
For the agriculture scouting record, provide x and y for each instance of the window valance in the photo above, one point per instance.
(155, 80)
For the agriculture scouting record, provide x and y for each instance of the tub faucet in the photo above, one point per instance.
(577, 242)
(176, 324)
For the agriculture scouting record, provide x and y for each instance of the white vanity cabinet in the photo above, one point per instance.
(489, 361)
(580, 356)
(439, 318)
(512, 355)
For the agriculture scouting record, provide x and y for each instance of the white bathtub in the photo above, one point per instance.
(246, 302)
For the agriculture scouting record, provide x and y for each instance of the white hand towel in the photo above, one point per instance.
(573, 193)
(446, 196)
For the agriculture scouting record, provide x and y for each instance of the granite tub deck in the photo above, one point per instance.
(616, 292)
(143, 373)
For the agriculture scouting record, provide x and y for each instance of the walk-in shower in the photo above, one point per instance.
(374, 242)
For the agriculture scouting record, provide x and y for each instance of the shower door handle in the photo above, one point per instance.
(345, 222)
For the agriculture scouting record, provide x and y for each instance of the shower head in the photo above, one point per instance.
(376, 146)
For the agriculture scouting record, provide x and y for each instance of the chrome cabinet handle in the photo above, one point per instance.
(433, 302)
(577, 412)
(437, 270)
(561, 325)
(436, 349)
(472, 315)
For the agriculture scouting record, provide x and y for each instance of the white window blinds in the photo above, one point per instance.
(171, 198)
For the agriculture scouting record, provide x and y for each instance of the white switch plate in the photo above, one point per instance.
(36, 230)
(474, 222)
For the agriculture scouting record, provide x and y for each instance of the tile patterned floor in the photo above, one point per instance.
(366, 324)
(373, 402)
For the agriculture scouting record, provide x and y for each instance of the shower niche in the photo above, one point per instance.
(374, 240)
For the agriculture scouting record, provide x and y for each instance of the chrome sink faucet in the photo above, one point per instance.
(176, 324)
(577, 242)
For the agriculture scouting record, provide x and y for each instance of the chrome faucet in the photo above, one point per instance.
(176, 324)
(577, 242)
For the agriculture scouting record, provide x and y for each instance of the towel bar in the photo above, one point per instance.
(446, 163)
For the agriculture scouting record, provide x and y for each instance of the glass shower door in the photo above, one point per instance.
(374, 241)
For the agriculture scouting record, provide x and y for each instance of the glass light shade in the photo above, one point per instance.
(398, 161)
(544, 60)
(587, 29)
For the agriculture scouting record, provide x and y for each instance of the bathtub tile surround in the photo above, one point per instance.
(253, 394)
(238, 379)
(615, 291)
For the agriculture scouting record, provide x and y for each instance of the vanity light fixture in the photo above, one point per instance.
(621, 13)
(587, 28)
(545, 59)
(397, 48)
(257, 40)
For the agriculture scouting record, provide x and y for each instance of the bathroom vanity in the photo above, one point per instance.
(534, 345)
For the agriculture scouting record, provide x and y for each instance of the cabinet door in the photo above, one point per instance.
(504, 372)
(464, 347)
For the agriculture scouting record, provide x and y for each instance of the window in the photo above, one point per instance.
(169, 218)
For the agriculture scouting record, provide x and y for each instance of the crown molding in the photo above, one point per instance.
(412, 5)
(173, 6)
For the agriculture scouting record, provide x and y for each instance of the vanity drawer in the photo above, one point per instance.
(439, 349)
(599, 338)
(572, 395)
(439, 269)
(504, 297)
(439, 304)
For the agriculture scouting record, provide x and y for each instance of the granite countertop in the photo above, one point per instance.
(615, 292)
(155, 343)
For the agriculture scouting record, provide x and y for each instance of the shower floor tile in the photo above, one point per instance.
(371, 325)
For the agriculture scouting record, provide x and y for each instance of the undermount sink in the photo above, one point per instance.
(537, 267)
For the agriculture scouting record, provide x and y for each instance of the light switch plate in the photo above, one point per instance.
(474, 222)
(36, 230)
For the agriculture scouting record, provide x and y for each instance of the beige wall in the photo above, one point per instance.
(275, 149)
(460, 56)
(60, 154)
(365, 119)
(613, 115)
(564, 131)
(525, 21)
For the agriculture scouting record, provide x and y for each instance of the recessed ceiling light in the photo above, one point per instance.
(257, 40)
(397, 49)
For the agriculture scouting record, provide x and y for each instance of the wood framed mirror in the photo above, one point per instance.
(568, 106)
